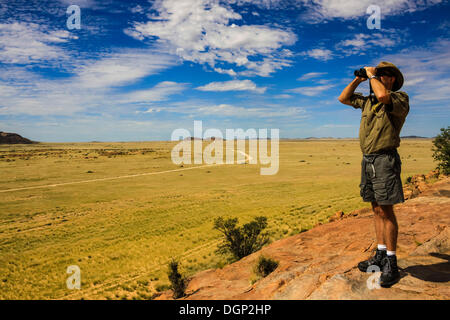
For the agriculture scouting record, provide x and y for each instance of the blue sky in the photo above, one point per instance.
(137, 70)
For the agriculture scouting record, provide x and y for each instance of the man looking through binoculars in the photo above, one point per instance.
(383, 113)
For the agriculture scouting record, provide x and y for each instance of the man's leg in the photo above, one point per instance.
(381, 247)
(390, 227)
(379, 223)
(390, 273)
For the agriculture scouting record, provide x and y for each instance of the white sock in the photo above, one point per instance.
(390, 253)
(382, 247)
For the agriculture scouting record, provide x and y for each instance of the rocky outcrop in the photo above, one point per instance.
(13, 138)
(419, 183)
(321, 263)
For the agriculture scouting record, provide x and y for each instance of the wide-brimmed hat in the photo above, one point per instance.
(392, 69)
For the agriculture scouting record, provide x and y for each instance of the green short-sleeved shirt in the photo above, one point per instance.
(380, 124)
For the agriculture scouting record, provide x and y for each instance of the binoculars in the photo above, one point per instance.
(380, 72)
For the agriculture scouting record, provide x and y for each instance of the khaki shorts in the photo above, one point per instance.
(380, 178)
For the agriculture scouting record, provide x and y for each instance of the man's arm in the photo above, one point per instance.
(349, 90)
(400, 104)
(378, 88)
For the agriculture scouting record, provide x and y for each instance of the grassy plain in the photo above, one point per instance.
(122, 232)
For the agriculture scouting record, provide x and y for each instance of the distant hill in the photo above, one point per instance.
(414, 137)
(192, 138)
(326, 138)
(13, 138)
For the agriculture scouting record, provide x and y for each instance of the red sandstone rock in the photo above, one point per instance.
(337, 216)
(321, 263)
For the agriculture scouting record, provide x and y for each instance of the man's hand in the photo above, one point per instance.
(359, 79)
(378, 87)
(371, 71)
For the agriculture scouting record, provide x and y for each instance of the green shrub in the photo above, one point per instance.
(244, 240)
(442, 150)
(265, 266)
(143, 282)
(162, 287)
(178, 282)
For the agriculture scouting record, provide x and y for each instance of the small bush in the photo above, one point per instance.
(143, 282)
(442, 150)
(162, 287)
(178, 282)
(241, 241)
(265, 266)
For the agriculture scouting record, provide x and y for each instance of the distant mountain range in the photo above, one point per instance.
(414, 137)
(14, 138)
(332, 138)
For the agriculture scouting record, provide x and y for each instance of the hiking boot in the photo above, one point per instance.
(375, 260)
(390, 274)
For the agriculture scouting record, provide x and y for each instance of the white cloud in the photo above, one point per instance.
(230, 72)
(91, 87)
(200, 31)
(137, 9)
(25, 43)
(266, 4)
(233, 85)
(319, 54)
(36, 96)
(282, 96)
(152, 110)
(311, 91)
(81, 3)
(227, 110)
(122, 68)
(311, 75)
(92, 82)
(361, 42)
(318, 10)
(160, 92)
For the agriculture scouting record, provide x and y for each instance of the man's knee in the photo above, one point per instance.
(383, 211)
(376, 209)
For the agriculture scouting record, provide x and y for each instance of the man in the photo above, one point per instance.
(383, 115)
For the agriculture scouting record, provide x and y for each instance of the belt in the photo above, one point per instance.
(370, 158)
(383, 151)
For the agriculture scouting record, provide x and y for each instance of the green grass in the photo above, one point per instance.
(122, 233)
